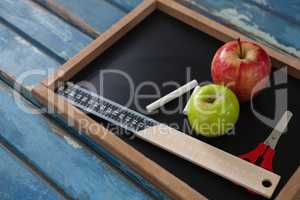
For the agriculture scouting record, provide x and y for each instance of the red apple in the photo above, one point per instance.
(243, 67)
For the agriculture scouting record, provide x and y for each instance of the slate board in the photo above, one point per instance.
(160, 50)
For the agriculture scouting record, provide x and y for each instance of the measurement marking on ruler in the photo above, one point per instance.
(106, 109)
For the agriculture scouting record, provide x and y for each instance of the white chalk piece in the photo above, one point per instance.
(187, 104)
(171, 96)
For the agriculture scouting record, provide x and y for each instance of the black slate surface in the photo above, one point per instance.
(162, 49)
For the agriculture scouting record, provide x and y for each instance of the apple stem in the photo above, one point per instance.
(241, 50)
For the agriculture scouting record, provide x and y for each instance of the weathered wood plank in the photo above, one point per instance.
(19, 57)
(99, 14)
(126, 5)
(289, 10)
(18, 182)
(49, 30)
(257, 23)
(59, 157)
(44, 41)
(68, 16)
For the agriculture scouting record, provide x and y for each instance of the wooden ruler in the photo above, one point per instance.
(211, 158)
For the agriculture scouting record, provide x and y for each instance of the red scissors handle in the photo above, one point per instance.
(267, 162)
(262, 150)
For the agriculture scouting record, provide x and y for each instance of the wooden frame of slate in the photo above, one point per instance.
(44, 92)
(291, 191)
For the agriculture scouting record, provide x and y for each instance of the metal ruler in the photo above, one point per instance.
(105, 108)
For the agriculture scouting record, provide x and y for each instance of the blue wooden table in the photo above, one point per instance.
(40, 159)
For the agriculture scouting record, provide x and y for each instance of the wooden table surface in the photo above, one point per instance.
(39, 159)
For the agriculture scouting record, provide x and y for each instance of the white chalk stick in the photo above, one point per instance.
(171, 96)
(187, 104)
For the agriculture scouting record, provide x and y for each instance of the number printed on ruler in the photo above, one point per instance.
(105, 108)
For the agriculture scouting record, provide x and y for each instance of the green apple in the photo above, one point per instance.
(213, 110)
